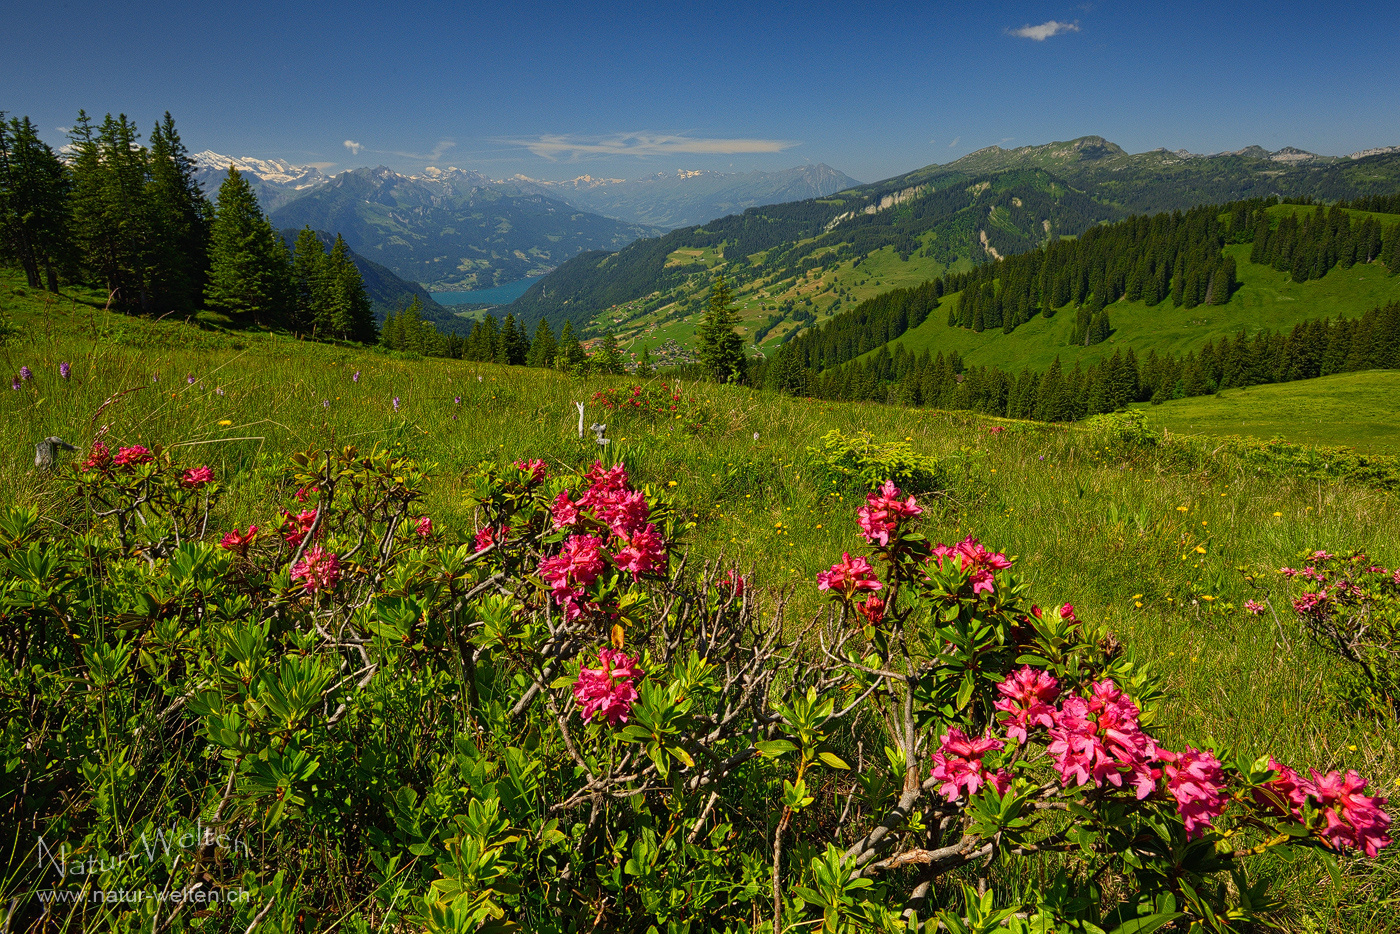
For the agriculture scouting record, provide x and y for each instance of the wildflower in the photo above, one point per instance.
(873, 609)
(99, 458)
(318, 570)
(535, 468)
(396, 403)
(224, 422)
(218, 390)
(423, 527)
(14, 383)
(734, 581)
(301, 494)
(849, 576)
(608, 691)
(1028, 696)
(564, 511)
(456, 400)
(196, 477)
(239, 541)
(325, 403)
(296, 528)
(25, 373)
(155, 378)
(1286, 793)
(485, 538)
(134, 456)
(571, 571)
(1353, 819)
(1252, 608)
(189, 378)
(1196, 781)
(1100, 740)
(644, 552)
(1315, 604)
(958, 764)
(879, 518)
(355, 377)
(64, 370)
(1315, 557)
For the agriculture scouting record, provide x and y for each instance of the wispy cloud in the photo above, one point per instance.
(956, 140)
(645, 144)
(1044, 30)
(323, 165)
(438, 151)
(353, 146)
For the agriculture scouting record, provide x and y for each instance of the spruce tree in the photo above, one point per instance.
(111, 220)
(179, 223)
(720, 348)
(645, 370)
(34, 204)
(609, 358)
(249, 269)
(571, 356)
(311, 284)
(543, 347)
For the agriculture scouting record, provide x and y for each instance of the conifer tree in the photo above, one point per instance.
(543, 347)
(609, 358)
(571, 356)
(179, 216)
(311, 283)
(111, 222)
(720, 348)
(249, 268)
(349, 313)
(34, 208)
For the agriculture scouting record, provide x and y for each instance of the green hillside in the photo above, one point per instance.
(1355, 410)
(794, 265)
(1265, 299)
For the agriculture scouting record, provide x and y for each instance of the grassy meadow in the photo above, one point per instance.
(1159, 541)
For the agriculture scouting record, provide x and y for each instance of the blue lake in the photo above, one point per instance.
(498, 295)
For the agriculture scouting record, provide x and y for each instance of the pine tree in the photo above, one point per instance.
(311, 284)
(645, 370)
(513, 347)
(609, 358)
(349, 313)
(570, 356)
(543, 347)
(111, 222)
(34, 209)
(720, 348)
(249, 269)
(179, 223)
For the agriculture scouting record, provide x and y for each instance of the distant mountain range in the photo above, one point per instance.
(456, 229)
(798, 262)
(686, 198)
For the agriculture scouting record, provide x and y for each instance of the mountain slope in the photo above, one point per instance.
(688, 198)
(452, 229)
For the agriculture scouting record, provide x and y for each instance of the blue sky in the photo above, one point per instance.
(624, 90)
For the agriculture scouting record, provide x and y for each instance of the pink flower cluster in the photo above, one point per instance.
(295, 528)
(609, 503)
(196, 477)
(99, 458)
(1196, 781)
(484, 539)
(958, 765)
(134, 456)
(239, 541)
(1351, 819)
(882, 513)
(976, 561)
(535, 468)
(1028, 698)
(608, 691)
(423, 527)
(1099, 740)
(319, 569)
(849, 576)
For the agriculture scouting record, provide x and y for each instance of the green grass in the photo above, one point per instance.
(1266, 299)
(1113, 531)
(1356, 410)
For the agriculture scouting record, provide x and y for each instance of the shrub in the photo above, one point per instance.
(862, 463)
(560, 725)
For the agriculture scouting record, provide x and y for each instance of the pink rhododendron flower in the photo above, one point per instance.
(301, 494)
(608, 692)
(1196, 781)
(1353, 819)
(1320, 556)
(849, 576)
(563, 511)
(958, 764)
(535, 468)
(879, 518)
(1287, 572)
(99, 458)
(1028, 696)
(1252, 608)
(295, 528)
(485, 538)
(733, 580)
(424, 527)
(643, 553)
(319, 569)
(873, 609)
(1313, 604)
(134, 456)
(1067, 613)
(569, 573)
(1285, 794)
(1100, 740)
(196, 477)
(239, 541)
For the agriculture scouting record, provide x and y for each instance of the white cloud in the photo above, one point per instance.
(322, 165)
(1044, 30)
(555, 147)
(353, 146)
(956, 140)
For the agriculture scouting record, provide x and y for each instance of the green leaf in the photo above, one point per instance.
(1146, 925)
(833, 760)
(773, 748)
